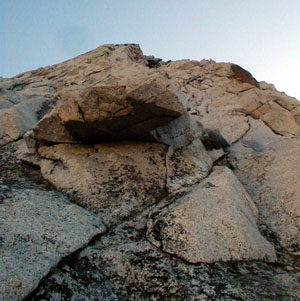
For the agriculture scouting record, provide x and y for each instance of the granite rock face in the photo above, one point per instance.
(192, 166)
(268, 166)
(22, 104)
(115, 180)
(216, 221)
(38, 228)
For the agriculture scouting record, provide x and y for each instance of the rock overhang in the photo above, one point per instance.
(110, 113)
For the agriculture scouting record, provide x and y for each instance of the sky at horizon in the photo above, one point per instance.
(261, 36)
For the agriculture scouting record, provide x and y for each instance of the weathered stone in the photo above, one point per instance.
(114, 179)
(15, 121)
(266, 86)
(243, 75)
(154, 276)
(215, 221)
(120, 265)
(268, 165)
(92, 115)
(89, 275)
(277, 118)
(224, 129)
(22, 104)
(296, 114)
(37, 229)
(8, 98)
(186, 166)
(50, 129)
(180, 131)
(229, 103)
(173, 104)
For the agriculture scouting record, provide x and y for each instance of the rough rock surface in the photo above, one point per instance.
(22, 104)
(214, 222)
(185, 162)
(116, 180)
(37, 229)
(122, 265)
(186, 166)
(268, 165)
(110, 114)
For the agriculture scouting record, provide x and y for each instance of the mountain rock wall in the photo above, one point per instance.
(171, 172)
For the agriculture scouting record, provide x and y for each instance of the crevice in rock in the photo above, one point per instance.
(15, 103)
(285, 257)
(246, 132)
(224, 161)
(94, 72)
(98, 132)
(166, 169)
(48, 143)
(5, 143)
(33, 173)
(212, 139)
(18, 86)
(226, 147)
(277, 101)
(70, 259)
(167, 118)
(274, 131)
(37, 86)
(246, 89)
(198, 78)
(10, 141)
(81, 112)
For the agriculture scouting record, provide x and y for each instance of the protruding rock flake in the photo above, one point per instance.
(215, 221)
(174, 181)
(101, 114)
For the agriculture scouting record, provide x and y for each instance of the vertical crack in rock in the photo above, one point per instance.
(81, 112)
(167, 170)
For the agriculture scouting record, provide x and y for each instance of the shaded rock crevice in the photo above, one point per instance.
(70, 260)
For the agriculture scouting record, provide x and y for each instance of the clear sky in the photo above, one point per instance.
(262, 36)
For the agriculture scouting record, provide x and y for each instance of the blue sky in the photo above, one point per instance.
(263, 36)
